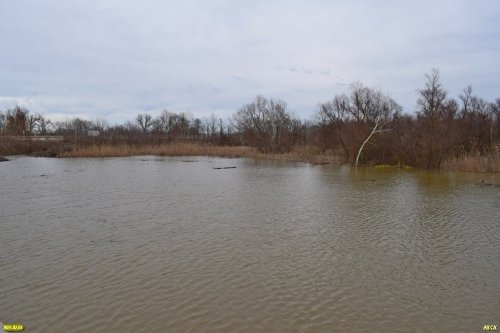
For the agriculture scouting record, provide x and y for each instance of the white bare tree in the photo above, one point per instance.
(368, 107)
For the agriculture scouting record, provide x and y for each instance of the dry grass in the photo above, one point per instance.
(298, 154)
(473, 163)
(24, 145)
(174, 149)
(309, 154)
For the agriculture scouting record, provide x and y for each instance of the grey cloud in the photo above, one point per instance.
(115, 58)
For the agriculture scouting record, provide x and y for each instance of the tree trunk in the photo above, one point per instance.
(364, 143)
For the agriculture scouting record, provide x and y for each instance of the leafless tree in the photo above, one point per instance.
(145, 122)
(466, 99)
(2, 121)
(167, 122)
(210, 126)
(197, 127)
(131, 127)
(263, 123)
(432, 123)
(16, 120)
(378, 111)
(33, 120)
(250, 120)
(368, 109)
(279, 121)
(221, 130)
(432, 97)
(101, 125)
(44, 125)
(484, 113)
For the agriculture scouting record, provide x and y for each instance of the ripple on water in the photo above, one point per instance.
(160, 245)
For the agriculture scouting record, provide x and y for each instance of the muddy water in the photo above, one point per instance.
(149, 244)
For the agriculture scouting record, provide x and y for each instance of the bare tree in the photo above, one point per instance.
(432, 121)
(432, 97)
(263, 123)
(16, 120)
(33, 121)
(167, 122)
(101, 125)
(378, 113)
(221, 131)
(466, 99)
(2, 121)
(81, 126)
(365, 108)
(131, 127)
(44, 125)
(62, 127)
(495, 109)
(250, 121)
(331, 118)
(197, 127)
(279, 121)
(210, 126)
(484, 113)
(185, 120)
(145, 122)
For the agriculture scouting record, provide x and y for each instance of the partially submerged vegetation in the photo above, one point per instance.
(361, 127)
(473, 163)
(172, 149)
(297, 154)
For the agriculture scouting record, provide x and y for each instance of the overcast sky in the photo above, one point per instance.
(113, 59)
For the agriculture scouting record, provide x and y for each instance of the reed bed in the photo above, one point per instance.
(473, 163)
(174, 149)
(16, 146)
(308, 154)
(298, 154)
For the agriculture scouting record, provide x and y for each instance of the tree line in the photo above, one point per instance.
(363, 125)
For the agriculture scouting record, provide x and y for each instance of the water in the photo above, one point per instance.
(148, 244)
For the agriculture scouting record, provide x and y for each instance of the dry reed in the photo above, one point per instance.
(309, 154)
(473, 163)
(174, 149)
(298, 154)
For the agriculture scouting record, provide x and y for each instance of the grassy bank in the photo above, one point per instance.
(298, 154)
(309, 154)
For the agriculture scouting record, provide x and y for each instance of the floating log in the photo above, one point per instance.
(220, 168)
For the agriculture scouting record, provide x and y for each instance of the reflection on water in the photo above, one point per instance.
(149, 244)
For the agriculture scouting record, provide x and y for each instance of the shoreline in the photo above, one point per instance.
(298, 154)
(489, 164)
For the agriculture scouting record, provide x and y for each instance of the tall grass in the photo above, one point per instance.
(473, 163)
(310, 154)
(173, 149)
(15, 146)
(299, 154)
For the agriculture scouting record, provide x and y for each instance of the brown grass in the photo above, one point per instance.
(20, 146)
(309, 154)
(174, 149)
(473, 163)
(298, 154)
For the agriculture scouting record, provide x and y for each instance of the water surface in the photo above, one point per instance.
(149, 244)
